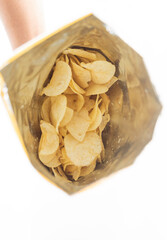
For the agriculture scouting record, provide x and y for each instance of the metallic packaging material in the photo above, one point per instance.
(134, 106)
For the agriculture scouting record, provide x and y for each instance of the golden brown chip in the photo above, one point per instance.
(76, 173)
(54, 162)
(58, 110)
(45, 110)
(81, 53)
(49, 142)
(95, 89)
(67, 117)
(89, 103)
(75, 87)
(85, 152)
(88, 169)
(105, 103)
(105, 120)
(101, 71)
(79, 124)
(80, 75)
(95, 124)
(59, 81)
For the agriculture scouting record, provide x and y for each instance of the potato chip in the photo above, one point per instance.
(72, 101)
(58, 110)
(80, 75)
(76, 174)
(95, 124)
(105, 120)
(105, 103)
(79, 124)
(59, 81)
(75, 59)
(63, 131)
(111, 82)
(66, 59)
(101, 71)
(81, 53)
(54, 162)
(61, 172)
(49, 142)
(45, 110)
(85, 152)
(89, 103)
(80, 102)
(55, 172)
(75, 87)
(95, 89)
(88, 169)
(68, 91)
(70, 169)
(75, 102)
(67, 117)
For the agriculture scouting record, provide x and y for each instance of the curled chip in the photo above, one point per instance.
(79, 124)
(67, 117)
(101, 71)
(95, 89)
(85, 152)
(81, 53)
(95, 124)
(75, 113)
(49, 142)
(76, 88)
(81, 75)
(58, 110)
(59, 81)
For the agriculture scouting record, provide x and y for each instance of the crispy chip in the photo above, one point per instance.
(72, 101)
(105, 103)
(45, 110)
(80, 75)
(75, 102)
(58, 110)
(111, 82)
(85, 152)
(63, 131)
(79, 124)
(95, 124)
(94, 89)
(54, 162)
(101, 71)
(49, 142)
(68, 91)
(59, 81)
(61, 172)
(75, 87)
(76, 174)
(77, 106)
(67, 117)
(88, 169)
(105, 120)
(81, 53)
(89, 103)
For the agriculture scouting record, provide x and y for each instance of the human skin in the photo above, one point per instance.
(23, 20)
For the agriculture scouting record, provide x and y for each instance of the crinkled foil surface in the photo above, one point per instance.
(132, 123)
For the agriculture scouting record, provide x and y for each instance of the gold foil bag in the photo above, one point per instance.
(134, 106)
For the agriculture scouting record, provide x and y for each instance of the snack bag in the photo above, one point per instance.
(83, 103)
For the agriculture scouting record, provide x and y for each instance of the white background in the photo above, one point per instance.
(131, 204)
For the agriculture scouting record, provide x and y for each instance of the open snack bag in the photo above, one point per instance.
(83, 103)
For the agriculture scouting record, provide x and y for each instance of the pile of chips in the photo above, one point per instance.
(75, 112)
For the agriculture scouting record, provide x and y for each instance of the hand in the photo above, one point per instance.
(23, 19)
